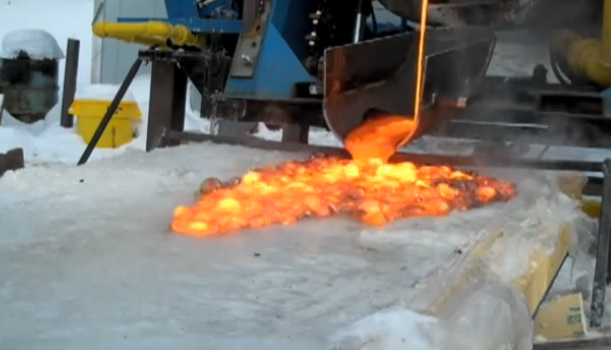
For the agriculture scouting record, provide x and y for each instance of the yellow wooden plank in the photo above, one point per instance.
(543, 269)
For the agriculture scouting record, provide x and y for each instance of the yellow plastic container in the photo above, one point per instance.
(120, 130)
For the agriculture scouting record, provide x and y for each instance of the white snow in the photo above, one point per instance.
(102, 92)
(396, 328)
(37, 43)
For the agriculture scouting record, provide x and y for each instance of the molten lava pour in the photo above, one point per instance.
(369, 190)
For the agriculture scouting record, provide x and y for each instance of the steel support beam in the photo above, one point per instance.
(167, 103)
(70, 75)
(601, 272)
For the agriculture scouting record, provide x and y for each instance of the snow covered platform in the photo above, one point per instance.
(87, 260)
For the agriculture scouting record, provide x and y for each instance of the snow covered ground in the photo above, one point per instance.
(87, 261)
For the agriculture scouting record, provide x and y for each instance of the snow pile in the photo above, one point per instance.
(392, 329)
(46, 142)
(493, 317)
(37, 43)
(102, 92)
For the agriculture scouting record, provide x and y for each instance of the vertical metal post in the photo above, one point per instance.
(601, 272)
(358, 23)
(167, 103)
(294, 133)
(70, 75)
(110, 111)
(249, 14)
(1, 107)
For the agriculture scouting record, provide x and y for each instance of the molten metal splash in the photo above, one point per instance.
(371, 191)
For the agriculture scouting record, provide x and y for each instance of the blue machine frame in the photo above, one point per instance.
(277, 65)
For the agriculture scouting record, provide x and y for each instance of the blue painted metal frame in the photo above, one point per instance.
(182, 8)
(284, 48)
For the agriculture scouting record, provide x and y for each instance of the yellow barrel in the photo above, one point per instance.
(120, 130)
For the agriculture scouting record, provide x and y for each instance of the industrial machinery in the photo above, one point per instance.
(321, 63)
(29, 81)
(265, 61)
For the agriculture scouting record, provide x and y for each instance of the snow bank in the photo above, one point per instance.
(37, 43)
(47, 142)
(392, 329)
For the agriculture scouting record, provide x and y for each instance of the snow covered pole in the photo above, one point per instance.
(111, 110)
(70, 75)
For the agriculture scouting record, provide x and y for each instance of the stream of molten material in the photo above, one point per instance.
(379, 138)
(365, 187)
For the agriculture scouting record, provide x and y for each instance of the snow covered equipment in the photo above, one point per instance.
(29, 74)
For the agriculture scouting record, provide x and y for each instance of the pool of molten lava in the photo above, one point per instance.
(369, 190)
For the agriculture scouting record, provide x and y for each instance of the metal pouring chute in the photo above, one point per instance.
(378, 77)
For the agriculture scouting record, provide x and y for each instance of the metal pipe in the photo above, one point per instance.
(601, 271)
(70, 75)
(358, 23)
(110, 111)
(178, 34)
(590, 58)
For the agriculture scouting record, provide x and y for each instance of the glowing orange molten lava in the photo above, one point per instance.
(369, 190)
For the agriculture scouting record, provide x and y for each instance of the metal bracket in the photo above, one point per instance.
(247, 52)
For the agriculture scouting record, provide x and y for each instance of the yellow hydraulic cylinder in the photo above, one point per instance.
(590, 58)
(148, 33)
(144, 40)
